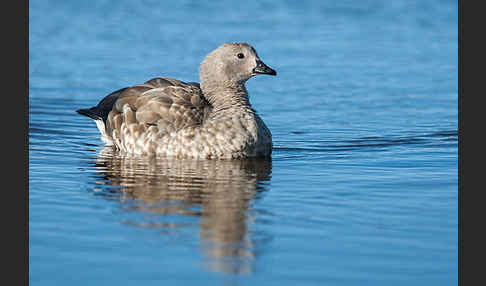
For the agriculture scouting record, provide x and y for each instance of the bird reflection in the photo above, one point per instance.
(218, 193)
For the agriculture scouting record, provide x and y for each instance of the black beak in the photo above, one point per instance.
(262, 68)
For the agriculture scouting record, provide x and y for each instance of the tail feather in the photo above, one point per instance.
(89, 112)
(101, 111)
(100, 123)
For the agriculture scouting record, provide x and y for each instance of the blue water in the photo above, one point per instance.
(362, 185)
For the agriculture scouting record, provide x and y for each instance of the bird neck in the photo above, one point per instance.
(227, 96)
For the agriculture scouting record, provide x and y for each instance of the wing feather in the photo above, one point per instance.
(167, 103)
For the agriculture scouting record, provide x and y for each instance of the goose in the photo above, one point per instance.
(212, 119)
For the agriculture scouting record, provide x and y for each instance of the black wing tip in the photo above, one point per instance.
(89, 112)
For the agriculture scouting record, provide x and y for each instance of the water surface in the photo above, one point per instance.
(362, 185)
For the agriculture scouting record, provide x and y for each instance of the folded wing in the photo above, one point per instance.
(166, 103)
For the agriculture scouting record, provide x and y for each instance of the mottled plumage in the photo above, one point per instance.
(168, 117)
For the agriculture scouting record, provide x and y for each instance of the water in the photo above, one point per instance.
(362, 185)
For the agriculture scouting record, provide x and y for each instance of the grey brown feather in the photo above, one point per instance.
(168, 117)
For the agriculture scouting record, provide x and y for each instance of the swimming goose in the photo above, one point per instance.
(169, 117)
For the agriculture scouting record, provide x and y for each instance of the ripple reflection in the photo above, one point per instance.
(216, 192)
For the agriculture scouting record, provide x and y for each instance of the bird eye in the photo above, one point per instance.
(240, 55)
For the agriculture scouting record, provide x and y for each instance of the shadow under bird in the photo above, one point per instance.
(168, 117)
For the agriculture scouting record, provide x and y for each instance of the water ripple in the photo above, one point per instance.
(435, 139)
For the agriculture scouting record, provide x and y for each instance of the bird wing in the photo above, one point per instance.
(167, 103)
